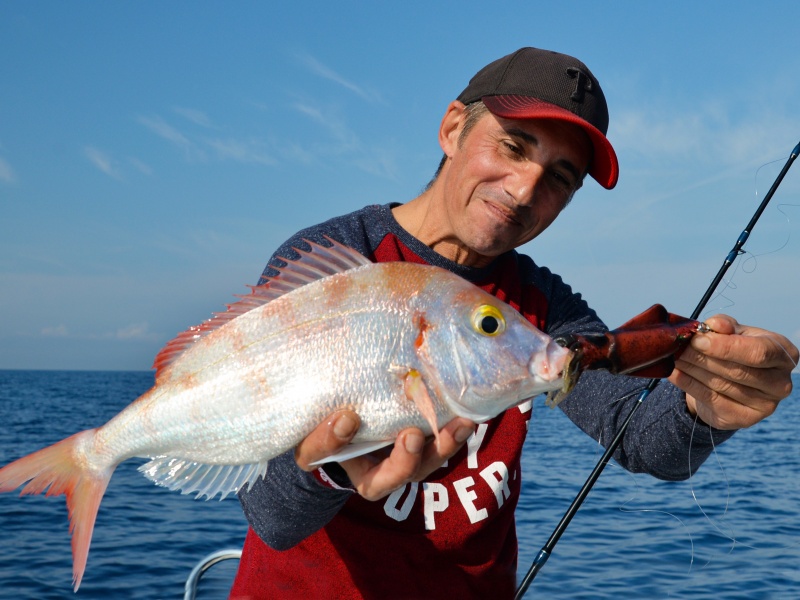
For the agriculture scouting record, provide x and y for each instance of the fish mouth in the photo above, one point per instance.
(568, 362)
(552, 365)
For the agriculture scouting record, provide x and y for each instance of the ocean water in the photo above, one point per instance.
(730, 532)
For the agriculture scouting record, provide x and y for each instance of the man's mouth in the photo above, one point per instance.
(503, 212)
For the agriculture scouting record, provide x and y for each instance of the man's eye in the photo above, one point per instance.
(563, 180)
(513, 148)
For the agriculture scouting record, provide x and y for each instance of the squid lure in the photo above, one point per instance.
(645, 346)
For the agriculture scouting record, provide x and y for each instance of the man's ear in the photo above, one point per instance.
(450, 128)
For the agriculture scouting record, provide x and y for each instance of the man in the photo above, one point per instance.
(435, 519)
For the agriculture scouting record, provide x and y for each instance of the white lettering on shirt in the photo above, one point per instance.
(390, 507)
(474, 496)
(524, 408)
(473, 443)
(496, 475)
(468, 497)
(436, 500)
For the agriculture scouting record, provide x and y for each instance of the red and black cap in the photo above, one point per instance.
(539, 84)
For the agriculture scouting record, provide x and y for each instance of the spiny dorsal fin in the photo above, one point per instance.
(317, 263)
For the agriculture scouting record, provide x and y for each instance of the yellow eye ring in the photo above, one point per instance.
(488, 320)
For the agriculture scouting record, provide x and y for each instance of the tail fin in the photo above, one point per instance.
(63, 468)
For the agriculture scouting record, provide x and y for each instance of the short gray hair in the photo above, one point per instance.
(474, 112)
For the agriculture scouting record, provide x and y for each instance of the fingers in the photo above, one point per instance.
(411, 459)
(377, 475)
(751, 359)
(327, 438)
(734, 380)
(736, 375)
(721, 405)
(750, 346)
(374, 478)
(451, 439)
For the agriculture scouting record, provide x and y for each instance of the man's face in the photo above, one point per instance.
(509, 179)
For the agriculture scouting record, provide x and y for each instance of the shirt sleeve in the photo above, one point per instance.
(289, 504)
(663, 439)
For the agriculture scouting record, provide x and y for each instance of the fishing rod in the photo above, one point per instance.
(547, 549)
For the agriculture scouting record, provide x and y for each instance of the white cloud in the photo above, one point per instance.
(197, 117)
(310, 111)
(141, 166)
(342, 142)
(6, 172)
(242, 151)
(58, 331)
(316, 67)
(132, 332)
(166, 131)
(294, 151)
(245, 151)
(347, 139)
(102, 161)
(136, 332)
(347, 144)
(708, 135)
(378, 163)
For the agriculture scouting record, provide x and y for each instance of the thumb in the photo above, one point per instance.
(723, 324)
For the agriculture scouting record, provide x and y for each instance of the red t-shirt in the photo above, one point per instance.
(450, 536)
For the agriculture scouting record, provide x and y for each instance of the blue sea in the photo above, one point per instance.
(730, 532)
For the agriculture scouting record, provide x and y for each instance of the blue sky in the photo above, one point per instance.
(153, 155)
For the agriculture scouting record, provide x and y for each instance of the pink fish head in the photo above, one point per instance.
(483, 356)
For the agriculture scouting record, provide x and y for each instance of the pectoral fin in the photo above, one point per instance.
(416, 390)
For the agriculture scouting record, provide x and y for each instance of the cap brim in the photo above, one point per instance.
(604, 167)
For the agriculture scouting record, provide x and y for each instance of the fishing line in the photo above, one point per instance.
(546, 550)
(637, 488)
(748, 266)
(623, 508)
(731, 535)
(637, 492)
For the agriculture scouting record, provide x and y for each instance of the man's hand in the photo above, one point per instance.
(735, 376)
(377, 475)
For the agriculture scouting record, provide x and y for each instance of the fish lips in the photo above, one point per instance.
(549, 366)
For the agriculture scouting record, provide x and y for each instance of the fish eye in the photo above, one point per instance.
(488, 320)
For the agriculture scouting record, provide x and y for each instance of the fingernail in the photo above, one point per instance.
(462, 433)
(414, 443)
(345, 426)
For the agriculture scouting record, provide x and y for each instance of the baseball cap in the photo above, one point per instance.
(540, 84)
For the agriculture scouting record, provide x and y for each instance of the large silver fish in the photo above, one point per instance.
(402, 344)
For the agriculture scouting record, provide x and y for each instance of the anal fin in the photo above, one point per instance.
(206, 480)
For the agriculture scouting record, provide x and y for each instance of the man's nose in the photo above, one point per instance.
(525, 183)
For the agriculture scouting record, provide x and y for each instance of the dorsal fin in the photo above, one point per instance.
(317, 263)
